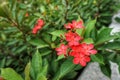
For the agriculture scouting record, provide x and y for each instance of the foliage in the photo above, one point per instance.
(34, 56)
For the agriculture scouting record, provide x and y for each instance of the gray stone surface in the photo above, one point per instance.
(93, 72)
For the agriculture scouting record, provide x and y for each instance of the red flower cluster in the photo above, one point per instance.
(38, 26)
(72, 38)
(62, 49)
(74, 25)
(81, 51)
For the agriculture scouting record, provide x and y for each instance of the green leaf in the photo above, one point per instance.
(106, 70)
(3, 62)
(111, 45)
(97, 58)
(4, 10)
(20, 16)
(20, 49)
(80, 31)
(10, 74)
(54, 38)
(89, 27)
(27, 72)
(60, 57)
(39, 43)
(41, 77)
(104, 35)
(36, 63)
(65, 68)
(58, 33)
(88, 40)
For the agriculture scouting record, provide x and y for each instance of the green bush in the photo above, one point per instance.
(20, 48)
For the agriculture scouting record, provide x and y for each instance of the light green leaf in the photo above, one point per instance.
(41, 77)
(10, 74)
(58, 33)
(80, 31)
(27, 72)
(88, 40)
(89, 27)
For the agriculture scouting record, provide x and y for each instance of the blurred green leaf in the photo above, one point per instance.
(80, 31)
(36, 63)
(27, 71)
(98, 58)
(89, 27)
(58, 33)
(39, 43)
(106, 70)
(88, 40)
(111, 45)
(10, 74)
(65, 68)
(41, 77)
(104, 35)
(60, 57)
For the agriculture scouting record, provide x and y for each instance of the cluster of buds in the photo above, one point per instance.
(39, 24)
(75, 47)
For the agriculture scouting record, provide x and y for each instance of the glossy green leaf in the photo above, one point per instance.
(10, 74)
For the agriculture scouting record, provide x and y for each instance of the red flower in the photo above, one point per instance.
(74, 25)
(81, 53)
(78, 24)
(84, 48)
(38, 26)
(81, 59)
(72, 38)
(62, 49)
(40, 22)
(68, 26)
(88, 49)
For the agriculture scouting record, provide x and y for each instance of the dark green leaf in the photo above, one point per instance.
(106, 70)
(97, 58)
(39, 43)
(104, 35)
(36, 63)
